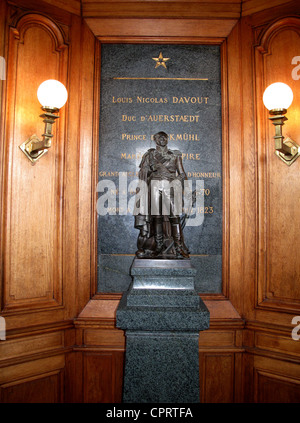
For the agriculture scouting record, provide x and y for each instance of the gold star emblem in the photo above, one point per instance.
(160, 60)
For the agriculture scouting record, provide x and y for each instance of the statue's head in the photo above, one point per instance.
(161, 139)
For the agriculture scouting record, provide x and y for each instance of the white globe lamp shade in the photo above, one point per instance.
(52, 94)
(278, 96)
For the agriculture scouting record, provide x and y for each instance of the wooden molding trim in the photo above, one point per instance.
(101, 313)
(249, 7)
(160, 27)
(39, 329)
(154, 9)
(272, 30)
(49, 6)
(20, 24)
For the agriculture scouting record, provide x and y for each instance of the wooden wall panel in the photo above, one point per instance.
(44, 254)
(270, 380)
(273, 388)
(217, 378)
(279, 192)
(33, 200)
(89, 121)
(103, 373)
(102, 348)
(33, 381)
(35, 344)
(40, 294)
(41, 389)
(2, 54)
(271, 362)
(3, 11)
(48, 237)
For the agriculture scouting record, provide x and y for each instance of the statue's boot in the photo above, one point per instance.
(158, 235)
(177, 238)
(140, 244)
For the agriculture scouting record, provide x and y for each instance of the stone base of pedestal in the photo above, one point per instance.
(161, 367)
(162, 316)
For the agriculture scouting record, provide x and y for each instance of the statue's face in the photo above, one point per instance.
(161, 140)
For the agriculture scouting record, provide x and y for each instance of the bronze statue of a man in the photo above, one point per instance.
(160, 229)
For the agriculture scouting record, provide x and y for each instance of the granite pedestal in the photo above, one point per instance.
(162, 316)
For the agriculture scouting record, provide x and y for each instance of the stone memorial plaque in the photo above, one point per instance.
(146, 89)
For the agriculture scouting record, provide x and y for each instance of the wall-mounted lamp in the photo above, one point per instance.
(277, 98)
(52, 95)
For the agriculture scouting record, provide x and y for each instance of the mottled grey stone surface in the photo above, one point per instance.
(162, 267)
(162, 274)
(116, 233)
(162, 328)
(162, 298)
(165, 301)
(161, 318)
(161, 368)
(209, 273)
(113, 270)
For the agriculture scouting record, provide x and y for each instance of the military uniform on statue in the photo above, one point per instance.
(160, 230)
(161, 312)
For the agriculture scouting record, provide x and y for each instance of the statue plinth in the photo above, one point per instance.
(162, 316)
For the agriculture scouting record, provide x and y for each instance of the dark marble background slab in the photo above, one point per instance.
(116, 233)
